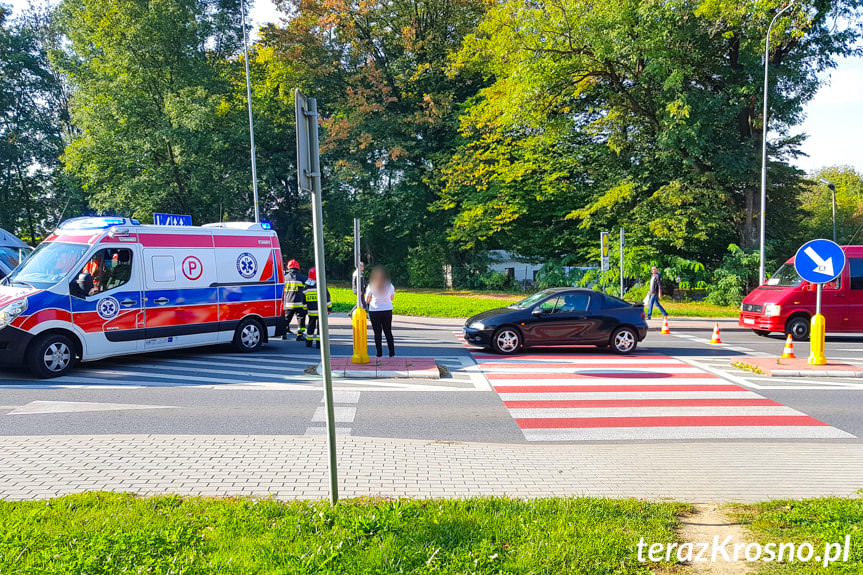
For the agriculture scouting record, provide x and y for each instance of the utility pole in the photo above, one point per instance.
(251, 120)
(762, 276)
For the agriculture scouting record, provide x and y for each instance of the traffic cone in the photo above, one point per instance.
(788, 352)
(715, 337)
(665, 330)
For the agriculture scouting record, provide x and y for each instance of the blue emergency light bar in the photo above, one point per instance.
(265, 225)
(96, 223)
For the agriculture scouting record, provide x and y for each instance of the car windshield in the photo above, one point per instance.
(786, 276)
(13, 256)
(530, 301)
(48, 264)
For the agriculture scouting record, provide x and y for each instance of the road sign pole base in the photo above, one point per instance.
(816, 340)
(361, 340)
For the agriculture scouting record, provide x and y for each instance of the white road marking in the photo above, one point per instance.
(671, 433)
(45, 407)
(650, 411)
(562, 395)
(343, 414)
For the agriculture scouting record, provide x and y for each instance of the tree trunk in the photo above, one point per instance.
(748, 236)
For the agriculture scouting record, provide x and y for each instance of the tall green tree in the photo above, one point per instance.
(151, 97)
(33, 123)
(638, 113)
(390, 112)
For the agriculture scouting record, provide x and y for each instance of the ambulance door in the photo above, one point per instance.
(181, 300)
(107, 302)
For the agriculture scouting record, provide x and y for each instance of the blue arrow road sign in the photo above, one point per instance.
(819, 261)
(171, 220)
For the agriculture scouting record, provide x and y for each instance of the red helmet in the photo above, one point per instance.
(313, 274)
(293, 265)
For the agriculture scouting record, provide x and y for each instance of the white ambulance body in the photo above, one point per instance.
(101, 287)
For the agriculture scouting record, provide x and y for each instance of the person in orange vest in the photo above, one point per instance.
(313, 309)
(294, 300)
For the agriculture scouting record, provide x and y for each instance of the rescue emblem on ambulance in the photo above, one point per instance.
(108, 308)
(247, 265)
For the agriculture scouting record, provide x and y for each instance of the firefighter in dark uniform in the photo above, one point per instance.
(313, 309)
(294, 300)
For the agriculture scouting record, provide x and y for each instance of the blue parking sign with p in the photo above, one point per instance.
(819, 261)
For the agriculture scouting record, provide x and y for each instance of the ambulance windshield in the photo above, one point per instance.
(48, 264)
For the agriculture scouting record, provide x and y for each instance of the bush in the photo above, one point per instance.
(737, 275)
(554, 274)
(426, 266)
(495, 281)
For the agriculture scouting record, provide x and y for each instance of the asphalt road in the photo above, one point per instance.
(215, 391)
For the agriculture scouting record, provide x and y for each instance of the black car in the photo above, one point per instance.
(560, 316)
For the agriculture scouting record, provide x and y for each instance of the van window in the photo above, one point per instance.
(108, 269)
(163, 268)
(48, 264)
(856, 272)
(785, 276)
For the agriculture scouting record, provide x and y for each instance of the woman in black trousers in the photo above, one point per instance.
(380, 294)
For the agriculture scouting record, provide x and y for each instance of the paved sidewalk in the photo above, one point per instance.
(290, 467)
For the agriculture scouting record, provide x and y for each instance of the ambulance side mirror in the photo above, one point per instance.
(82, 286)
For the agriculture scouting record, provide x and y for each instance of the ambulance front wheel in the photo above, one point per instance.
(51, 355)
(249, 335)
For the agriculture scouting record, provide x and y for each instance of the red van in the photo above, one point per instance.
(785, 303)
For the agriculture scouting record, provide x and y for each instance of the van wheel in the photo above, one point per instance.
(51, 355)
(798, 328)
(249, 336)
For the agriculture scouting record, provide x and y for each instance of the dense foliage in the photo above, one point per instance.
(449, 127)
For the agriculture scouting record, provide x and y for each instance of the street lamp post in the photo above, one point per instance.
(761, 273)
(832, 187)
(251, 121)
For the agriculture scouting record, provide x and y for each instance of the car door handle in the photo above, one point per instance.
(128, 302)
(161, 300)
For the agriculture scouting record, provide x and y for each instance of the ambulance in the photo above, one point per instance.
(102, 286)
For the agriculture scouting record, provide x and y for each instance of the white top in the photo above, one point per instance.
(383, 300)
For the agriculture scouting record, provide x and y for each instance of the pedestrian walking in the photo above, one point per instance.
(294, 300)
(312, 308)
(380, 294)
(654, 292)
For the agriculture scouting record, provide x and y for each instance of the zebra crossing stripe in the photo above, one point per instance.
(590, 397)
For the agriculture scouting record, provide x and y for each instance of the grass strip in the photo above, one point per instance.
(101, 533)
(816, 521)
(431, 303)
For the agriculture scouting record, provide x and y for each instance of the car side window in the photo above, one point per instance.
(856, 269)
(108, 269)
(573, 303)
(549, 305)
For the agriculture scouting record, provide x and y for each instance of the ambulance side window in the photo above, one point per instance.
(107, 269)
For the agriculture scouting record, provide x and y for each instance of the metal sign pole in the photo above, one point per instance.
(307, 112)
(622, 241)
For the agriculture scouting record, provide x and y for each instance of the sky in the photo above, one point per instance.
(834, 117)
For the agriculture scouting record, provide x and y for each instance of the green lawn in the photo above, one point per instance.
(433, 303)
(430, 303)
(101, 533)
(817, 521)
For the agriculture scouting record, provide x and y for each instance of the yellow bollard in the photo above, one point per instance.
(816, 340)
(361, 344)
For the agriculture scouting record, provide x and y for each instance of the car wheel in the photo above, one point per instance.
(624, 340)
(249, 336)
(506, 340)
(798, 328)
(761, 332)
(51, 355)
